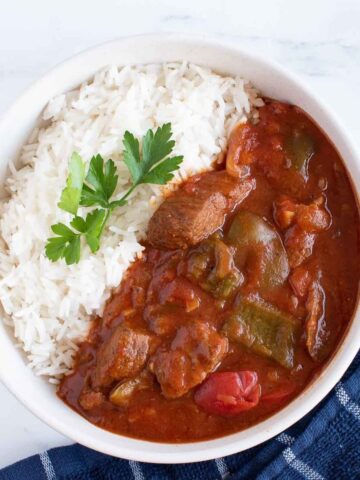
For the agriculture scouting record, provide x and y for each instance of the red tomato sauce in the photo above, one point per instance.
(214, 338)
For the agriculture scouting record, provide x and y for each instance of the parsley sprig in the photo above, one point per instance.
(95, 189)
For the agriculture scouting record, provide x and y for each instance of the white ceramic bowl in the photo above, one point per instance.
(36, 393)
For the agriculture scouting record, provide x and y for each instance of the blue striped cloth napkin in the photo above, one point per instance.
(323, 445)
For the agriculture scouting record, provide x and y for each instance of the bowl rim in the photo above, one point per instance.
(301, 405)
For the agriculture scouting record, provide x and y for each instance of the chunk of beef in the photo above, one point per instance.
(196, 210)
(122, 355)
(195, 351)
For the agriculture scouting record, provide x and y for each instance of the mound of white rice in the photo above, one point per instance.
(49, 305)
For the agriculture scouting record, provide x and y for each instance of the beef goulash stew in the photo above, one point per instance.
(247, 282)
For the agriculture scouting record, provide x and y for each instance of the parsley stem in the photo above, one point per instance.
(109, 210)
(131, 189)
(106, 218)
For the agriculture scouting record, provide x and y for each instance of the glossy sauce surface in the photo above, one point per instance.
(163, 293)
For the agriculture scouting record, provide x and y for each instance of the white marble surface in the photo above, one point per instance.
(318, 39)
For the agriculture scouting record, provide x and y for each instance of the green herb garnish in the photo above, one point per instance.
(70, 196)
(152, 165)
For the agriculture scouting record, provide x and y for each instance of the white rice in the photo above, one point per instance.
(49, 305)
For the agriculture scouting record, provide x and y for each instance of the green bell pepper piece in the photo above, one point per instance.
(265, 330)
(300, 147)
(253, 237)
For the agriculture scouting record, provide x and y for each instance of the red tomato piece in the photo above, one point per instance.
(180, 292)
(278, 394)
(228, 393)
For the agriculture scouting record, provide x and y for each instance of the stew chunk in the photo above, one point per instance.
(123, 355)
(315, 306)
(259, 248)
(302, 222)
(89, 399)
(229, 393)
(265, 330)
(194, 352)
(195, 211)
(121, 395)
(211, 265)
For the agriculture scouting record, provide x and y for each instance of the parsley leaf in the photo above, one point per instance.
(132, 156)
(55, 247)
(100, 183)
(67, 242)
(72, 251)
(151, 164)
(65, 245)
(92, 227)
(70, 196)
(162, 173)
(155, 148)
(78, 223)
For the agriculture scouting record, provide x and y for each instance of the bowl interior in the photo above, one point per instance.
(36, 393)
